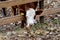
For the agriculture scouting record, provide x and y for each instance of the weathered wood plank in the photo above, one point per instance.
(50, 11)
(15, 2)
(8, 20)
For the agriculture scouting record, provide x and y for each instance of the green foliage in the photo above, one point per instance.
(39, 26)
(18, 29)
(54, 21)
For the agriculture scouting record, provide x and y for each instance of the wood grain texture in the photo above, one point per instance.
(8, 20)
(15, 2)
(50, 11)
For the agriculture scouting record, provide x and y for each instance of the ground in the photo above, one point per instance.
(50, 30)
(36, 33)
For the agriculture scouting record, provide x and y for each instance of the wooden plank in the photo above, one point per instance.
(50, 11)
(15, 2)
(8, 20)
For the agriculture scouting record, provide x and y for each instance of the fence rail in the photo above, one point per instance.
(8, 20)
(15, 2)
(50, 11)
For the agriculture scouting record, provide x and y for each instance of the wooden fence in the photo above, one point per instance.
(11, 19)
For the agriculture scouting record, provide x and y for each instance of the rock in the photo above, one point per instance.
(51, 33)
(51, 29)
(58, 35)
(47, 36)
(37, 31)
(11, 23)
(9, 33)
(1, 38)
(38, 38)
(46, 32)
(20, 35)
(13, 32)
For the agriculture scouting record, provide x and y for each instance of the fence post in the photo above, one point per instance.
(41, 7)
